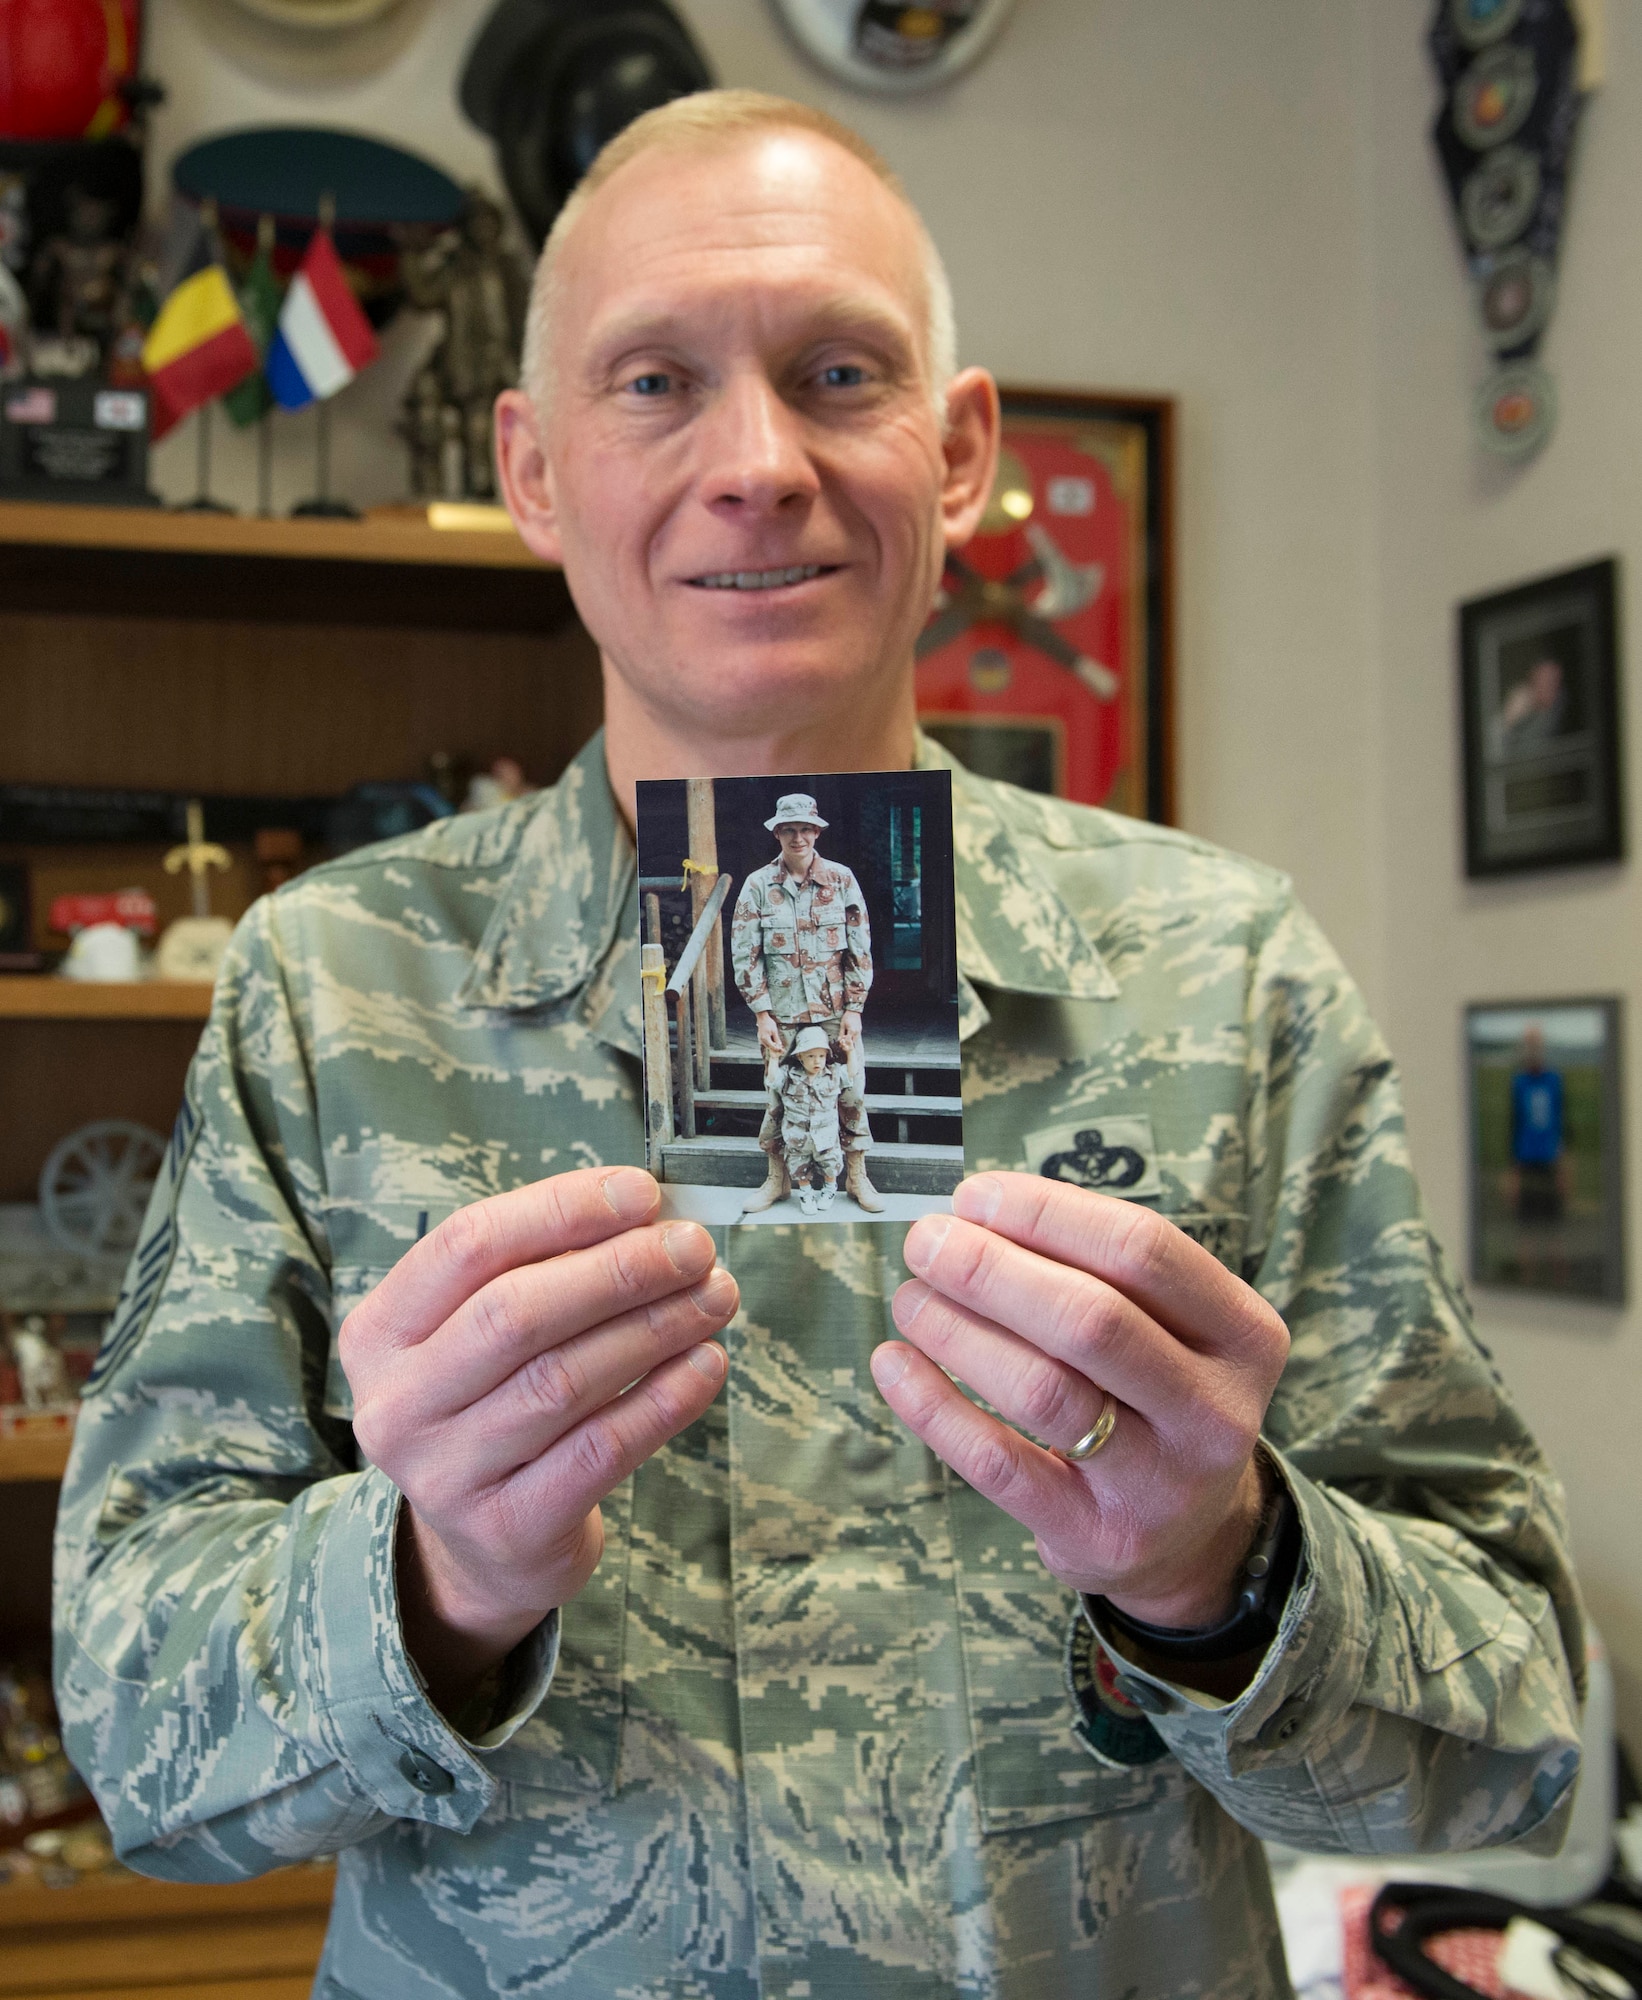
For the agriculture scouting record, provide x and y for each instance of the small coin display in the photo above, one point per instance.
(1494, 97)
(1498, 200)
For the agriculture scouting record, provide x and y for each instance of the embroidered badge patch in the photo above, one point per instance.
(1114, 1155)
(1106, 1722)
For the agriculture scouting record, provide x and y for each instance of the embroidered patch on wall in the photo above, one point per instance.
(1108, 1725)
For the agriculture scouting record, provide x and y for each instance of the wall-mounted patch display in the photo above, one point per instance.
(1539, 695)
(1510, 73)
(1547, 1206)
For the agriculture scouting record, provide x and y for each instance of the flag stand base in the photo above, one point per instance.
(325, 510)
(202, 503)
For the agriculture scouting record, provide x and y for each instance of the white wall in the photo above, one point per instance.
(1453, 525)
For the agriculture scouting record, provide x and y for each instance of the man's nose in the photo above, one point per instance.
(753, 449)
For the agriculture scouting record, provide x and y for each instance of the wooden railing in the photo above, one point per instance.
(678, 1052)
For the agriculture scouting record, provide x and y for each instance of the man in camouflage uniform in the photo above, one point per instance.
(787, 1714)
(801, 947)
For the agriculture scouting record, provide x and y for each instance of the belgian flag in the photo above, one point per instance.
(199, 346)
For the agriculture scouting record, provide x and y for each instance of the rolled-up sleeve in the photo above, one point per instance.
(230, 1668)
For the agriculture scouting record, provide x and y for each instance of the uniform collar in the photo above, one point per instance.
(561, 907)
(561, 916)
(1014, 930)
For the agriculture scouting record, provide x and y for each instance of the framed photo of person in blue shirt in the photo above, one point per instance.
(1547, 1211)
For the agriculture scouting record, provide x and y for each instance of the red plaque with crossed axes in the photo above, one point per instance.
(1046, 659)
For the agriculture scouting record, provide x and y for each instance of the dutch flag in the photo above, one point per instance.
(323, 338)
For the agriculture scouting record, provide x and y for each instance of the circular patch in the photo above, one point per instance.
(990, 671)
(1499, 197)
(1515, 293)
(1515, 409)
(1477, 23)
(1494, 97)
(1108, 1725)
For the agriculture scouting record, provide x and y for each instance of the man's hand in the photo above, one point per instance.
(1047, 1299)
(849, 1030)
(769, 1035)
(513, 1368)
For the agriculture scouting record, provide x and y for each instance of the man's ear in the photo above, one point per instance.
(521, 465)
(973, 430)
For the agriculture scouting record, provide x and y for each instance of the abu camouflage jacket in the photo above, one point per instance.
(807, 1731)
(801, 951)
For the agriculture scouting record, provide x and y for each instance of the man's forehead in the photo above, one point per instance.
(676, 223)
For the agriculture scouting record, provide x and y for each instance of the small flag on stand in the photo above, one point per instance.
(259, 305)
(323, 338)
(198, 347)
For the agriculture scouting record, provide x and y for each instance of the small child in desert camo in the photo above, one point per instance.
(810, 1144)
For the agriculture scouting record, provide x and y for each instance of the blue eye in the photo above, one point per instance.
(653, 384)
(844, 375)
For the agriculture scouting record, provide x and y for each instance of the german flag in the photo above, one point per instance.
(199, 346)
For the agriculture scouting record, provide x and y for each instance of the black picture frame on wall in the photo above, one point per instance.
(1539, 685)
(1547, 1153)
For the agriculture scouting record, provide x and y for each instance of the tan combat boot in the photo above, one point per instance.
(776, 1188)
(859, 1187)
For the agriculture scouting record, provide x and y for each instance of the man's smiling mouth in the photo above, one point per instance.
(761, 579)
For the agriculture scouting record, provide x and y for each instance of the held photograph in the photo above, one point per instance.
(800, 976)
(1546, 1200)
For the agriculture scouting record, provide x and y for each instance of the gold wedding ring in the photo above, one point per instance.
(1092, 1440)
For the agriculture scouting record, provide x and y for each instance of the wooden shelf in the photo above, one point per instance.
(119, 1896)
(391, 535)
(122, 1937)
(26, 996)
(38, 1452)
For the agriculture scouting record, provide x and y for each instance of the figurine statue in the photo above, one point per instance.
(78, 279)
(469, 276)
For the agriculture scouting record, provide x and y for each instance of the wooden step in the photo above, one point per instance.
(730, 1162)
(884, 1101)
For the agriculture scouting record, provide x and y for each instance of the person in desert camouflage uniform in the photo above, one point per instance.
(801, 948)
(804, 1730)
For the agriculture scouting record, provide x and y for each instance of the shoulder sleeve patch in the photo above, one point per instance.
(151, 1261)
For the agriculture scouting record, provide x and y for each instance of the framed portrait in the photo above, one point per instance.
(1547, 1200)
(1048, 659)
(1539, 694)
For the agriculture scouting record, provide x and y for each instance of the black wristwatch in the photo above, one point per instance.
(1268, 1573)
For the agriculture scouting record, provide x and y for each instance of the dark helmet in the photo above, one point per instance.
(552, 81)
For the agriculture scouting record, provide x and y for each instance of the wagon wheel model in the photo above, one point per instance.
(95, 1186)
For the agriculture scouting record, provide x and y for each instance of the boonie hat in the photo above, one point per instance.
(807, 1039)
(794, 809)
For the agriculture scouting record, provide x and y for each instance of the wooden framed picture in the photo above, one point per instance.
(1547, 1158)
(1539, 695)
(1049, 657)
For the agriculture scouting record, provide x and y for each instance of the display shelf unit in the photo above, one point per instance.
(39, 1450)
(122, 1935)
(208, 655)
(28, 997)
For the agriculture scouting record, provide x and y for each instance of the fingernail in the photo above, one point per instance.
(708, 1360)
(889, 1364)
(924, 1241)
(688, 1245)
(910, 1300)
(980, 1198)
(630, 1193)
(716, 1294)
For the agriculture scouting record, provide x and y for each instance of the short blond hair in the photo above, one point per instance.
(714, 117)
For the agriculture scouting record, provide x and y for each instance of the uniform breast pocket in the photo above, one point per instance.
(778, 937)
(1030, 1768)
(831, 938)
